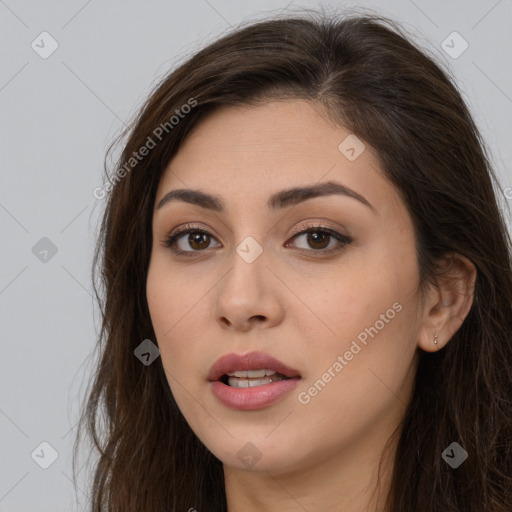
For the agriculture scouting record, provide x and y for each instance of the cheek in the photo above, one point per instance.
(362, 368)
(354, 296)
(174, 296)
(175, 310)
(159, 297)
(364, 309)
(180, 306)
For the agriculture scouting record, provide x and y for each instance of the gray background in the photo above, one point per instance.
(59, 115)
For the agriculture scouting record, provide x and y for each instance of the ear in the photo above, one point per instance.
(447, 304)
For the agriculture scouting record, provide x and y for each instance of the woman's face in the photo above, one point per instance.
(338, 304)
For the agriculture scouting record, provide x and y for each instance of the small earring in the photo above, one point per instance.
(435, 339)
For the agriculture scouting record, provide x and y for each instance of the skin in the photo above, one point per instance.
(305, 309)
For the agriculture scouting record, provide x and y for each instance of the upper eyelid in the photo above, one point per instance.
(301, 230)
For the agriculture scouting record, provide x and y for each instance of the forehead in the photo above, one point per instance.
(248, 152)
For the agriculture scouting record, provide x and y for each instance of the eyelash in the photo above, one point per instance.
(343, 240)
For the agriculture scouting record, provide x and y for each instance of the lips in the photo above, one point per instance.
(251, 361)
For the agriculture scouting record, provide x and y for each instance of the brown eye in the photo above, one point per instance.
(318, 238)
(197, 241)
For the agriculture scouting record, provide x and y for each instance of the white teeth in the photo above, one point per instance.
(244, 383)
(251, 374)
(237, 382)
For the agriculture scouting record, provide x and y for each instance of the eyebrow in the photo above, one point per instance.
(277, 201)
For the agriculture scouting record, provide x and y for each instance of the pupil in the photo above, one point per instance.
(315, 236)
(196, 238)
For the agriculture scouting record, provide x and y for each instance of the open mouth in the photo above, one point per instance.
(249, 379)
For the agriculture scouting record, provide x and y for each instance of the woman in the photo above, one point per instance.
(307, 285)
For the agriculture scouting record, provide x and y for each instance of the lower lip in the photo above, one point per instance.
(256, 397)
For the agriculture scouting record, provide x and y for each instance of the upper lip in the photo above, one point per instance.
(251, 361)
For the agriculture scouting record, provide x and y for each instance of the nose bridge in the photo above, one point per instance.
(247, 289)
(247, 263)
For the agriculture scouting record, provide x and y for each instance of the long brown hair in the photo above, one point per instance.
(368, 75)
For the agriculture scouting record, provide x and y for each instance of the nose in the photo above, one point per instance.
(249, 296)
